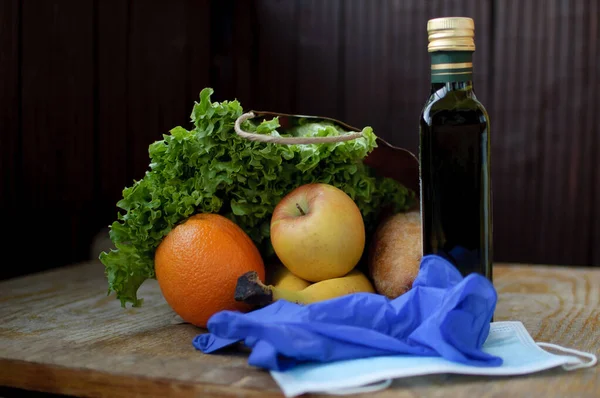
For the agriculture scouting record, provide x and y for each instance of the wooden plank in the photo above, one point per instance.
(277, 36)
(136, 77)
(297, 69)
(528, 157)
(591, 129)
(564, 96)
(10, 129)
(113, 133)
(85, 383)
(156, 75)
(541, 160)
(223, 50)
(197, 53)
(579, 198)
(320, 89)
(57, 122)
(9, 102)
(234, 51)
(409, 59)
(508, 85)
(368, 70)
(244, 54)
(61, 333)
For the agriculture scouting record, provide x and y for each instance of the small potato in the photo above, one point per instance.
(395, 254)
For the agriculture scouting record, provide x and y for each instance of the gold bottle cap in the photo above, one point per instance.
(451, 34)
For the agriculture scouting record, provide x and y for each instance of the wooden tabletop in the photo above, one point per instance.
(61, 333)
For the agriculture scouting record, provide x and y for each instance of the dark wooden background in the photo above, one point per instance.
(87, 85)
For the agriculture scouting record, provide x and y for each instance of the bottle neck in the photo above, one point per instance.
(452, 70)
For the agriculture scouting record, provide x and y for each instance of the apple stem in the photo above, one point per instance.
(300, 209)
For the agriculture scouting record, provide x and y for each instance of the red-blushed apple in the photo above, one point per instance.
(318, 232)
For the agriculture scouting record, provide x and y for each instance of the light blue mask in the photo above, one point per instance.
(508, 340)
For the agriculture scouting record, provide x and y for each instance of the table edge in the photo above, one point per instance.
(58, 379)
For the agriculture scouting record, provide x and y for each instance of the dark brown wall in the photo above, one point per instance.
(87, 85)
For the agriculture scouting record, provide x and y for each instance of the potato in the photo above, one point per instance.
(395, 253)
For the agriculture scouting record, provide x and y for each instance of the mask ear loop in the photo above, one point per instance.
(592, 358)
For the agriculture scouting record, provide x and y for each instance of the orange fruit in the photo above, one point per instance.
(198, 263)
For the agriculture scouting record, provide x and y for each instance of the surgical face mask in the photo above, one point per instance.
(508, 340)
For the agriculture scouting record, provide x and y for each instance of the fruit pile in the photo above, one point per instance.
(228, 222)
(207, 263)
(210, 168)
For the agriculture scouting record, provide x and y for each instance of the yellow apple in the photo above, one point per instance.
(318, 232)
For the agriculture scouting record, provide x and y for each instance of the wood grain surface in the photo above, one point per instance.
(61, 333)
(56, 108)
(9, 102)
(530, 155)
(87, 85)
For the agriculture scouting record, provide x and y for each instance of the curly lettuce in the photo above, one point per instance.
(211, 169)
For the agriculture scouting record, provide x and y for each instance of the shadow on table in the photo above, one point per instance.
(6, 392)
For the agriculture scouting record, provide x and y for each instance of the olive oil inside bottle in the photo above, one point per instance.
(455, 179)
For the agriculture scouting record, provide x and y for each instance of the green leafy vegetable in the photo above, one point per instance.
(211, 169)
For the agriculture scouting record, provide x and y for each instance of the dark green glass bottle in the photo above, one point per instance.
(454, 154)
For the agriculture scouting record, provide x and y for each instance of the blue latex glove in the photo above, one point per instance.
(443, 315)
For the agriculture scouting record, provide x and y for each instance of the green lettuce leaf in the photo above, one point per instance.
(211, 169)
